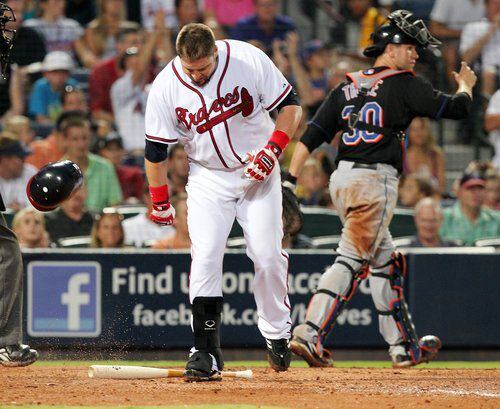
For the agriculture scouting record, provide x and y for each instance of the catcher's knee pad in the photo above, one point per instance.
(335, 288)
(395, 272)
(206, 326)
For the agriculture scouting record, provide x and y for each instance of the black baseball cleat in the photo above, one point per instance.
(17, 355)
(201, 367)
(308, 352)
(279, 354)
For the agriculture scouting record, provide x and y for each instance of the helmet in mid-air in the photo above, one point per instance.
(7, 37)
(402, 28)
(53, 184)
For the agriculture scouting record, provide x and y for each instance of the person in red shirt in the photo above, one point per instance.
(108, 71)
(131, 177)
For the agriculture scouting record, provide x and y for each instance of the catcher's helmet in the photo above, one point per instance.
(7, 37)
(53, 184)
(401, 29)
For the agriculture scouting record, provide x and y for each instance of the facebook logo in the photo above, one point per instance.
(64, 299)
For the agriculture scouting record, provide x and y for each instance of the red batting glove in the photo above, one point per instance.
(261, 162)
(163, 213)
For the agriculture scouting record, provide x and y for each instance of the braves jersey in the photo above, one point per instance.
(219, 122)
(391, 103)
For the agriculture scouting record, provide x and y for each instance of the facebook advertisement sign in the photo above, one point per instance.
(64, 299)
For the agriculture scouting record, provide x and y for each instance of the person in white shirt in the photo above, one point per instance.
(482, 39)
(129, 94)
(140, 230)
(14, 173)
(492, 125)
(448, 18)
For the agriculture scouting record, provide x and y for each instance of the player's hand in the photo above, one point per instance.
(261, 163)
(466, 76)
(163, 213)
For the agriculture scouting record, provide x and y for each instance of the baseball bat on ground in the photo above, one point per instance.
(144, 372)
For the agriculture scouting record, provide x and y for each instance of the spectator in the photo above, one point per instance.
(178, 169)
(102, 33)
(52, 148)
(131, 177)
(361, 20)
(14, 172)
(309, 71)
(129, 94)
(264, 26)
(29, 47)
(428, 220)
(310, 183)
(492, 191)
(423, 156)
(107, 231)
(492, 125)
(140, 230)
(482, 39)
(414, 188)
(45, 103)
(29, 226)
(100, 177)
(149, 9)
(188, 11)
(61, 33)
(20, 126)
(83, 11)
(71, 219)
(73, 99)
(227, 12)
(448, 19)
(180, 239)
(421, 9)
(468, 220)
(107, 72)
(337, 73)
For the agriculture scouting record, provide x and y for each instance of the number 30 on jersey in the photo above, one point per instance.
(370, 113)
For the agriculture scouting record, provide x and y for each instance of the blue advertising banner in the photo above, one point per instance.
(140, 299)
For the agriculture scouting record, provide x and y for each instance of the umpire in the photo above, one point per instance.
(371, 110)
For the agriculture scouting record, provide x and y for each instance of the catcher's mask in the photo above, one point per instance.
(401, 29)
(7, 37)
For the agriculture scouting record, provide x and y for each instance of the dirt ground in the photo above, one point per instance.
(298, 388)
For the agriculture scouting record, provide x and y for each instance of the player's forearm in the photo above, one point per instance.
(156, 173)
(300, 154)
(288, 119)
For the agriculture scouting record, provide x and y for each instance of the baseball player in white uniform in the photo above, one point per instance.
(215, 98)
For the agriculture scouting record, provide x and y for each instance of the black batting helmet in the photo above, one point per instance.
(402, 28)
(53, 184)
(7, 37)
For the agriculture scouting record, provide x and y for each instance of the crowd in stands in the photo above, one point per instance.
(80, 78)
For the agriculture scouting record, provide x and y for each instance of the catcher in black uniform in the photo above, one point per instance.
(371, 110)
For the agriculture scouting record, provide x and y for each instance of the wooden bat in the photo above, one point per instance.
(144, 372)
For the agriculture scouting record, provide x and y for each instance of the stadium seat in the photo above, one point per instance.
(127, 211)
(74, 242)
(491, 242)
(326, 242)
(9, 216)
(402, 223)
(320, 221)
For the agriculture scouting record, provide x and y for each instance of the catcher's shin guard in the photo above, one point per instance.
(206, 328)
(398, 308)
(335, 288)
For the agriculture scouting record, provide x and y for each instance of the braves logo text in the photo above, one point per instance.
(201, 119)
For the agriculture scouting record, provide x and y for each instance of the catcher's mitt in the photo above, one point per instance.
(293, 219)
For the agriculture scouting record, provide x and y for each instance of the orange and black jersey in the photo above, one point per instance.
(392, 102)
